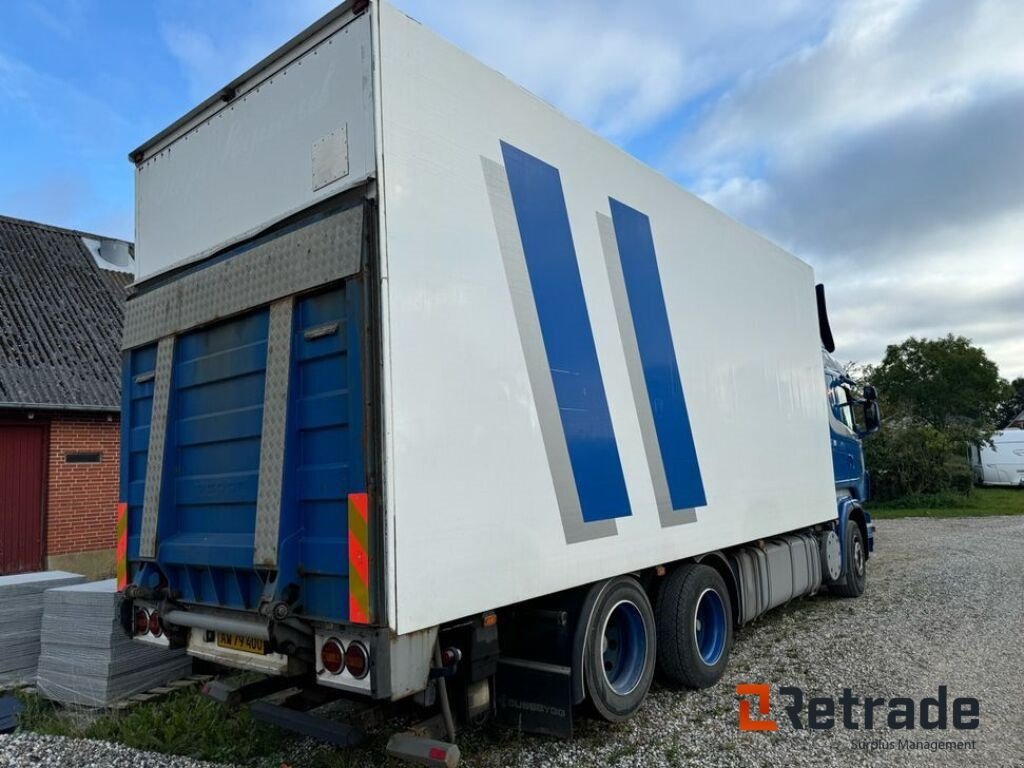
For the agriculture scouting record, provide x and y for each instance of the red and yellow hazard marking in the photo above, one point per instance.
(358, 559)
(122, 546)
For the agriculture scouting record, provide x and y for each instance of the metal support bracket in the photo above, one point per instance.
(157, 444)
(272, 441)
(331, 731)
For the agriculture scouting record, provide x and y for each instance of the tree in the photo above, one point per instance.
(1013, 406)
(937, 396)
(946, 383)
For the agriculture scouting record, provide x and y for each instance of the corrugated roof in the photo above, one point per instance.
(61, 318)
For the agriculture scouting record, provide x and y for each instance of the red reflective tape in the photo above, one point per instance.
(357, 613)
(358, 560)
(122, 546)
(358, 501)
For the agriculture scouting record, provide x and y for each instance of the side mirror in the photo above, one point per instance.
(870, 393)
(872, 417)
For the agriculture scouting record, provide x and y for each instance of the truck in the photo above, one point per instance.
(431, 394)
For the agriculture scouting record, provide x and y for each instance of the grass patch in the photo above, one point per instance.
(190, 724)
(983, 502)
(185, 723)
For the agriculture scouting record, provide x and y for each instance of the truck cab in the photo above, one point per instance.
(853, 415)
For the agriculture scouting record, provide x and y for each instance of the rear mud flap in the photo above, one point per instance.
(535, 697)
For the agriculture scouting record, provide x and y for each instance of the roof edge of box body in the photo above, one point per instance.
(282, 57)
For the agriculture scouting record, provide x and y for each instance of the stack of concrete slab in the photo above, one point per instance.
(21, 612)
(87, 658)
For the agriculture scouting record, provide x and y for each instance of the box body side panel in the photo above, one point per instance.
(494, 206)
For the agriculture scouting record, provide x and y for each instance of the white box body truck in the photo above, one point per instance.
(418, 372)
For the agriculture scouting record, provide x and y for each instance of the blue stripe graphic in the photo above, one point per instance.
(546, 236)
(657, 356)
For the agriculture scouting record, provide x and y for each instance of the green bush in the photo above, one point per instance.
(961, 478)
(913, 459)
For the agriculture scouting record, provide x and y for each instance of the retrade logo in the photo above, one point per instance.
(761, 694)
(854, 712)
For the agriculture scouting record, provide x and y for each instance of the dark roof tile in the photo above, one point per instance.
(61, 319)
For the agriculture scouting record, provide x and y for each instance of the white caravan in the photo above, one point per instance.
(1002, 461)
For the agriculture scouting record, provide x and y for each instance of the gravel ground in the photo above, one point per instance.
(29, 749)
(944, 606)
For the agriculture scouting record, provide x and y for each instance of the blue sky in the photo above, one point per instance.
(876, 139)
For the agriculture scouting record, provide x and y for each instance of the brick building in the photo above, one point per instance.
(61, 314)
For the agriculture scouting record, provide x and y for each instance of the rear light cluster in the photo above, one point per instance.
(147, 623)
(336, 658)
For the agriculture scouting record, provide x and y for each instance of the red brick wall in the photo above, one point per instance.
(81, 505)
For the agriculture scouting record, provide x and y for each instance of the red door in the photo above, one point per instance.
(21, 497)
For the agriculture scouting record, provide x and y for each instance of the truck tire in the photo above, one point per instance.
(854, 578)
(694, 619)
(621, 650)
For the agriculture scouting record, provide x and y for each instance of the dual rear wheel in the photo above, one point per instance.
(621, 649)
(694, 620)
(687, 635)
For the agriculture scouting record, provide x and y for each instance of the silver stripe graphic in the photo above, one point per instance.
(638, 383)
(317, 253)
(511, 247)
(157, 443)
(272, 439)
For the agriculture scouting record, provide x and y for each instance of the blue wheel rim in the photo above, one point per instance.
(710, 627)
(624, 648)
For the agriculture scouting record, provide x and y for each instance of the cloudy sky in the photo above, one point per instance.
(880, 140)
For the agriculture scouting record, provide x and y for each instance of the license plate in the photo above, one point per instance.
(242, 643)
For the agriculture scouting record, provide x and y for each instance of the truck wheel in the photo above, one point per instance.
(621, 651)
(694, 619)
(854, 579)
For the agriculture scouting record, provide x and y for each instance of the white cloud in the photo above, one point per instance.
(890, 188)
(56, 105)
(198, 54)
(613, 77)
(621, 68)
(880, 60)
(964, 280)
(60, 25)
(212, 53)
(888, 155)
